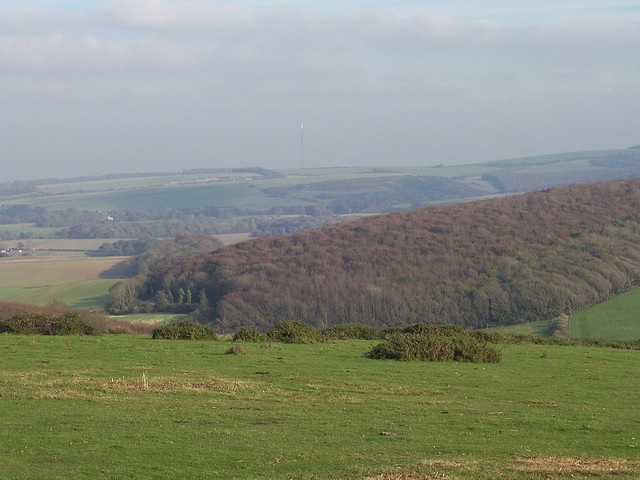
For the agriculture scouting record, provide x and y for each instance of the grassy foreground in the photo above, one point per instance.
(124, 407)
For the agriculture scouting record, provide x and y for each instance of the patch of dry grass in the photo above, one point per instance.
(570, 467)
(87, 387)
(533, 467)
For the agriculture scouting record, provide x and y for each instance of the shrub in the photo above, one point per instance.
(414, 347)
(184, 331)
(292, 331)
(246, 334)
(346, 331)
(37, 323)
(434, 343)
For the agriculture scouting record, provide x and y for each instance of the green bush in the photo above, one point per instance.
(42, 324)
(246, 334)
(434, 343)
(292, 331)
(346, 331)
(427, 329)
(184, 331)
(411, 346)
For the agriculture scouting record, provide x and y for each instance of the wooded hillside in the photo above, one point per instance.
(500, 261)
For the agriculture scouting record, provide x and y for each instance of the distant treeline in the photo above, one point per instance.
(493, 262)
(156, 254)
(165, 223)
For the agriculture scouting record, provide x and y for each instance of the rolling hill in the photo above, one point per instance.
(266, 202)
(508, 260)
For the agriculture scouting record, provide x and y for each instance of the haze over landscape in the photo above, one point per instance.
(319, 240)
(99, 87)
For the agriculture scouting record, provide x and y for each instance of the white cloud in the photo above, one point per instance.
(162, 15)
(376, 84)
(17, 19)
(76, 56)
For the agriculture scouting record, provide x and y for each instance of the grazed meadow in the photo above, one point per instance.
(131, 407)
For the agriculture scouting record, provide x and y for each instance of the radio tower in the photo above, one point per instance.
(302, 145)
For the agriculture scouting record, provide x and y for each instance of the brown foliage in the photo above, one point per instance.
(504, 260)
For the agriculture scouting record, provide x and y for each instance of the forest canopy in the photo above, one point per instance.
(492, 262)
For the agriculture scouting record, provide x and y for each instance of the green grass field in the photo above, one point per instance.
(27, 228)
(618, 318)
(124, 407)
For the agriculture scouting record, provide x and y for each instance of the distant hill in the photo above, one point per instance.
(515, 259)
(267, 202)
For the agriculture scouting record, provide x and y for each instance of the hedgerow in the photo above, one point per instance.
(183, 331)
(292, 331)
(55, 319)
(65, 324)
(346, 331)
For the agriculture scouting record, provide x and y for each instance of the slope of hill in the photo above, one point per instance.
(500, 261)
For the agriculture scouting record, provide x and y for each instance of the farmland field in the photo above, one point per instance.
(124, 407)
(81, 282)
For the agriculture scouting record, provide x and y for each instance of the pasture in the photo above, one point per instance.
(128, 407)
(617, 319)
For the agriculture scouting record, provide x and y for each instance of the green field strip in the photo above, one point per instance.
(91, 293)
(617, 318)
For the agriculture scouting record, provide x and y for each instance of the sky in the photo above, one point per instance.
(123, 86)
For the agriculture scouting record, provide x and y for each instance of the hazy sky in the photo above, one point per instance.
(93, 87)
